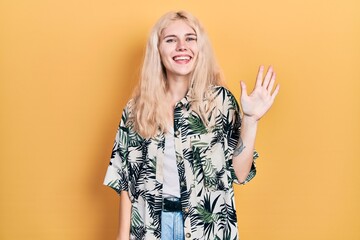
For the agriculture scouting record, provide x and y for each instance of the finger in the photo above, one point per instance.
(243, 89)
(275, 93)
(272, 82)
(268, 76)
(259, 77)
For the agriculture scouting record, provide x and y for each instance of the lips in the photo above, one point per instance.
(182, 58)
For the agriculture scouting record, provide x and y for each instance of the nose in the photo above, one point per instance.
(181, 46)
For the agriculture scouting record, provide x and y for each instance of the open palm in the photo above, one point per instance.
(262, 97)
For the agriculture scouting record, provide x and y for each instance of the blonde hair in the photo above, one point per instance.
(149, 110)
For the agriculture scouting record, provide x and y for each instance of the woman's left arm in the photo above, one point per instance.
(254, 107)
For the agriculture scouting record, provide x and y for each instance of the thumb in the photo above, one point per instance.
(243, 89)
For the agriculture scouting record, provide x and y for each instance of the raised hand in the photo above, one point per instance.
(262, 97)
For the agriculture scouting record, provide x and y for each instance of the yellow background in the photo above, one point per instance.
(68, 67)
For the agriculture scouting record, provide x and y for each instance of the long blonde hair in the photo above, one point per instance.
(149, 110)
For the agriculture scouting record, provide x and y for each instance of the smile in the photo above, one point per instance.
(182, 58)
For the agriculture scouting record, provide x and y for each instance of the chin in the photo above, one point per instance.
(184, 72)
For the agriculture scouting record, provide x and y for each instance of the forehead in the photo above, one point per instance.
(177, 28)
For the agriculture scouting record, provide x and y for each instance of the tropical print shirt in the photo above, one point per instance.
(204, 161)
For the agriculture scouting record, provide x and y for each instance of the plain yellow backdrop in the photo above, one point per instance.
(68, 67)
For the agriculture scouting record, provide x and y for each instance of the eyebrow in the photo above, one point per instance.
(187, 34)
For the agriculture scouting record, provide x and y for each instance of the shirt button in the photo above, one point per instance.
(177, 133)
(183, 184)
(188, 235)
(192, 185)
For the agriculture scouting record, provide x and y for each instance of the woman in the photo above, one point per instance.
(179, 148)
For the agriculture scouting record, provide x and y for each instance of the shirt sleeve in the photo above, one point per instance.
(233, 130)
(116, 175)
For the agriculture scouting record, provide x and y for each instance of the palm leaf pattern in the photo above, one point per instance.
(196, 126)
(204, 161)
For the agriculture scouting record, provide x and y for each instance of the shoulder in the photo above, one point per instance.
(223, 96)
(129, 105)
(127, 116)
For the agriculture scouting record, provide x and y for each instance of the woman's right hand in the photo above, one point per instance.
(260, 100)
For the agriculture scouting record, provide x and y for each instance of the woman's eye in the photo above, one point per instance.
(191, 39)
(170, 40)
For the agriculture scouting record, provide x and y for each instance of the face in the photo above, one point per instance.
(178, 49)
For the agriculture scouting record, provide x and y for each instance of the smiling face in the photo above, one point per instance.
(178, 49)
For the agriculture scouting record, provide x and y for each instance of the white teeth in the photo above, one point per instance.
(181, 58)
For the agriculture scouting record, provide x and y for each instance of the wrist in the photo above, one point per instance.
(249, 120)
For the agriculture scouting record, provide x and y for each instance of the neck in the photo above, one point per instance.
(177, 88)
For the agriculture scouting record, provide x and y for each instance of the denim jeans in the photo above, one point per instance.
(172, 226)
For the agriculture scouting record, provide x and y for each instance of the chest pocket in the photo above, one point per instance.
(209, 161)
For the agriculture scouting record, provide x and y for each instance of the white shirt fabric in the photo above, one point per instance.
(171, 185)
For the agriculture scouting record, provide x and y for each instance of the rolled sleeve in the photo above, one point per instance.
(117, 176)
(252, 172)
